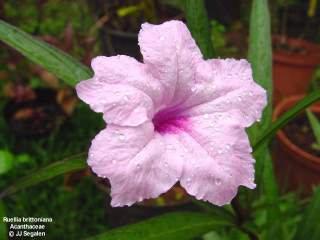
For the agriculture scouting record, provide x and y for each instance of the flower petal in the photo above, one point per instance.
(134, 159)
(126, 70)
(171, 55)
(121, 104)
(219, 158)
(223, 85)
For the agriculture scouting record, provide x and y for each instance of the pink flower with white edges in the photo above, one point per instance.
(173, 118)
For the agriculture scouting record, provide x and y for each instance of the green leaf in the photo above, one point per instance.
(199, 27)
(285, 118)
(309, 225)
(3, 226)
(170, 226)
(260, 57)
(221, 212)
(6, 161)
(50, 58)
(58, 168)
(124, 11)
(315, 124)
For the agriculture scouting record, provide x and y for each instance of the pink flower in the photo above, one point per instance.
(174, 117)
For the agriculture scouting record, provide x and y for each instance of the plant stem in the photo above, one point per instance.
(241, 218)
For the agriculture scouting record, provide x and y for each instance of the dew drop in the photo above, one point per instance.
(126, 98)
(239, 98)
(250, 93)
(121, 137)
(206, 116)
(114, 161)
(258, 120)
(170, 146)
(103, 101)
(161, 38)
(193, 89)
(166, 164)
(138, 166)
(218, 181)
(188, 181)
(228, 146)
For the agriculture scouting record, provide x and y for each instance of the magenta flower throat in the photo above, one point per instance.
(173, 118)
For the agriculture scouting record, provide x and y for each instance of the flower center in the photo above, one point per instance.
(167, 121)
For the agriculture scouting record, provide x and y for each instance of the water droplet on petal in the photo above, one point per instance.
(114, 161)
(170, 146)
(166, 164)
(218, 181)
(121, 137)
(239, 98)
(193, 89)
(206, 116)
(138, 166)
(126, 98)
(161, 38)
(228, 146)
(250, 93)
(188, 181)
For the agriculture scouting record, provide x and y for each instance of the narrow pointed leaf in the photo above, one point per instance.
(315, 124)
(309, 225)
(50, 58)
(285, 118)
(198, 24)
(260, 57)
(47, 173)
(170, 226)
